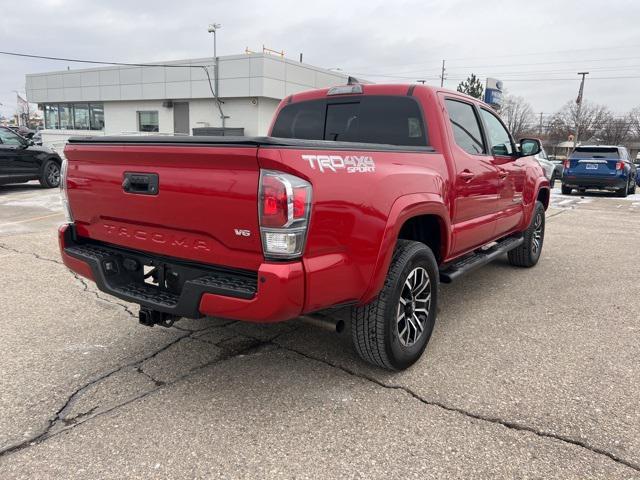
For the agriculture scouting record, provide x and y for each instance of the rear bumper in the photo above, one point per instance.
(274, 293)
(587, 181)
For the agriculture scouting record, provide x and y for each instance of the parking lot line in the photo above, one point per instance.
(31, 219)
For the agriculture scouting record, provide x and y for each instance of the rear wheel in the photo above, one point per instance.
(566, 190)
(528, 254)
(633, 189)
(50, 175)
(552, 182)
(393, 330)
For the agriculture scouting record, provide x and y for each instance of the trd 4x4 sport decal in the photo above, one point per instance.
(350, 163)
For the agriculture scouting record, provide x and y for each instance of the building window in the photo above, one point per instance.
(74, 116)
(81, 117)
(97, 116)
(148, 121)
(66, 117)
(51, 117)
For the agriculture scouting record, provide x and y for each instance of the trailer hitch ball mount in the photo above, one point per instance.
(149, 318)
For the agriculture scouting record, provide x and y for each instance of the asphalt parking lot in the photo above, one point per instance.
(529, 373)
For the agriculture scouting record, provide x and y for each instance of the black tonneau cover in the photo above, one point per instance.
(229, 141)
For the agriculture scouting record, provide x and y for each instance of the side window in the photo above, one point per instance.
(391, 120)
(499, 138)
(303, 120)
(9, 138)
(466, 129)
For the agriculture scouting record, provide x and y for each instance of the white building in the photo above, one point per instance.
(167, 99)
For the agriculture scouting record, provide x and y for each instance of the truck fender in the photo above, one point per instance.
(530, 197)
(403, 209)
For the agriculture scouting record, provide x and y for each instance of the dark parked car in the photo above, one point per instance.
(21, 130)
(22, 161)
(600, 167)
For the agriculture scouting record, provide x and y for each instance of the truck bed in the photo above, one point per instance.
(230, 141)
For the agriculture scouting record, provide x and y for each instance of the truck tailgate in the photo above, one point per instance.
(204, 207)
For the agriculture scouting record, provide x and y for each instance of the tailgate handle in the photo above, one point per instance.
(140, 183)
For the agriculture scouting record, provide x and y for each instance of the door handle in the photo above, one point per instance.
(502, 174)
(466, 175)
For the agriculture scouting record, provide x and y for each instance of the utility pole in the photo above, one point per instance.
(442, 74)
(579, 102)
(540, 129)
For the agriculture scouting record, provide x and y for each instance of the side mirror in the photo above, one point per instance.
(530, 146)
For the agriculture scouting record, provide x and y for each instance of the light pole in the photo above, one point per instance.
(213, 27)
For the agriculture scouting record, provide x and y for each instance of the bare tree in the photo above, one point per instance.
(634, 119)
(616, 130)
(22, 111)
(592, 119)
(518, 115)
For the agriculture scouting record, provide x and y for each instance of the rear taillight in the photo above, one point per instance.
(63, 191)
(284, 210)
(567, 163)
(619, 165)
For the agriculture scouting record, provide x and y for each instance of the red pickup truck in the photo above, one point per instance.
(363, 196)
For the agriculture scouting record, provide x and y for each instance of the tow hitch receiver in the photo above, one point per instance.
(149, 318)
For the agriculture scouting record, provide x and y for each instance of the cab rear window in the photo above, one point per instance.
(369, 119)
(591, 152)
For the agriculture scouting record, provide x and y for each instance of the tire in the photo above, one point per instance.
(380, 331)
(528, 254)
(566, 190)
(623, 192)
(633, 188)
(552, 182)
(50, 174)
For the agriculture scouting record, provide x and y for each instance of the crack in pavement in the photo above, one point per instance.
(86, 289)
(555, 214)
(68, 423)
(59, 416)
(80, 279)
(33, 254)
(483, 418)
(60, 422)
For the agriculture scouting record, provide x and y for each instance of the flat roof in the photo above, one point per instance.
(250, 75)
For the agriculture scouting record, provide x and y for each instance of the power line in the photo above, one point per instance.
(555, 51)
(125, 64)
(402, 77)
(526, 54)
(98, 62)
(503, 65)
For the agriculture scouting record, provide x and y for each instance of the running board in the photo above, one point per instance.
(451, 271)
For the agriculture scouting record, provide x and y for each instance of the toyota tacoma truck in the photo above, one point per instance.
(362, 196)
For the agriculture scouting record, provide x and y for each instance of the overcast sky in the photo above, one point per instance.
(535, 47)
